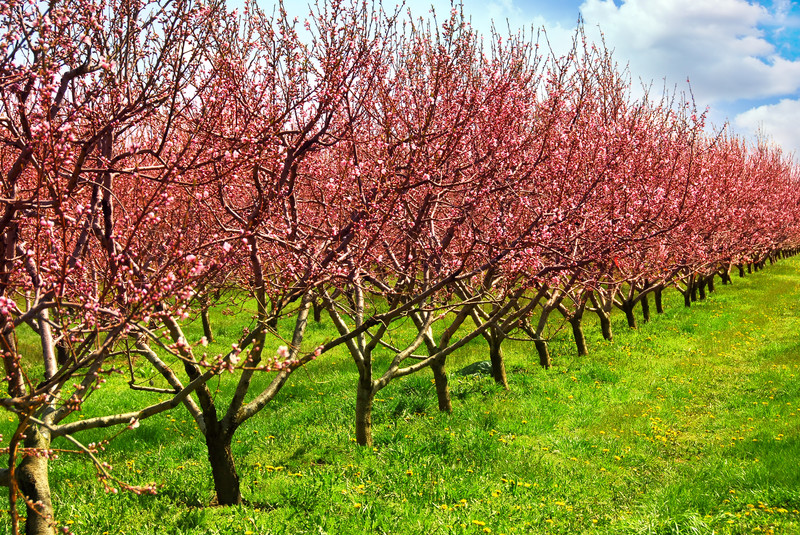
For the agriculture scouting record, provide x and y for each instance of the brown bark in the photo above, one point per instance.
(365, 395)
(577, 334)
(442, 389)
(496, 357)
(13, 372)
(62, 353)
(207, 332)
(544, 354)
(605, 327)
(223, 468)
(627, 307)
(34, 484)
(645, 308)
(657, 299)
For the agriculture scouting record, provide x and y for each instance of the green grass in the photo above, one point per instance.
(691, 424)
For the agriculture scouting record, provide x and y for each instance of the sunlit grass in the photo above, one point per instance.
(689, 425)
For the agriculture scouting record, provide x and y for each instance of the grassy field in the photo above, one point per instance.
(689, 425)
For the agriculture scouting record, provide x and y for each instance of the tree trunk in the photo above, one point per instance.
(687, 298)
(496, 357)
(365, 395)
(318, 308)
(577, 333)
(442, 389)
(627, 307)
(207, 332)
(223, 469)
(62, 353)
(701, 289)
(605, 326)
(657, 299)
(710, 281)
(645, 308)
(741, 270)
(544, 353)
(749, 268)
(34, 484)
(693, 292)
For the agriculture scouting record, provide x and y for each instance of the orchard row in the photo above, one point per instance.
(162, 158)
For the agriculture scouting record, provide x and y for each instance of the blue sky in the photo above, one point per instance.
(742, 58)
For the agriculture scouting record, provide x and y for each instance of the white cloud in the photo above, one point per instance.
(501, 10)
(782, 9)
(717, 44)
(777, 121)
(723, 46)
(505, 14)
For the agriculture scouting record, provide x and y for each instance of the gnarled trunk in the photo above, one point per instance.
(442, 388)
(496, 357)
(207, 332)
(544, 353)
(657, 299)
(223, 468)
(34, 484)
(627, 307)
(577, 333)
(605, 326)
(645, 308)
(62, 353)
(365, 395)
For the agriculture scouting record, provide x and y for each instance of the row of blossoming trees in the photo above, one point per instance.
(160, 156)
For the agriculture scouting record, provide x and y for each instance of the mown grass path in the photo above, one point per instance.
(689, 425)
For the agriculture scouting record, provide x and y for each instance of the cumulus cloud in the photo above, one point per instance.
(719, 45)
(776, 121)
(504, 15)
(735, 53)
